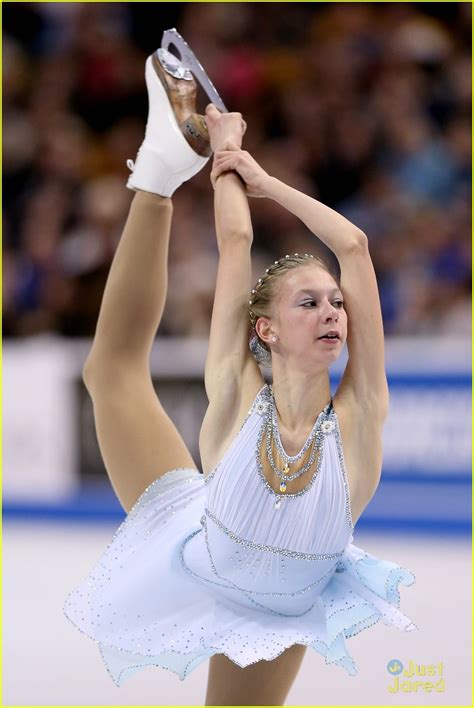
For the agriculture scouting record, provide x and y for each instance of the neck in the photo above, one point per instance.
(299, 398)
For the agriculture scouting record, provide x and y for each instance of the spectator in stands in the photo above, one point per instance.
(386, 95)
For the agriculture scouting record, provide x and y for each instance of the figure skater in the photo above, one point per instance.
(252, 562)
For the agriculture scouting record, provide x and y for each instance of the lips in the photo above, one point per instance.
(332, 333)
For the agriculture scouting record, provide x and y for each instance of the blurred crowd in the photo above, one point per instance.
(365, 106)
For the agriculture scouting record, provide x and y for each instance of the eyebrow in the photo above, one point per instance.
(334, 291)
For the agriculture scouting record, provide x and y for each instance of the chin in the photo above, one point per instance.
(330, 356)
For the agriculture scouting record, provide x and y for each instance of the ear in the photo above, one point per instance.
(263, 327)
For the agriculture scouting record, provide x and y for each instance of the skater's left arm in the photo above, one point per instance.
(364, 377)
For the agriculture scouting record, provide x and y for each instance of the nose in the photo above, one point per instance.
(331, 312)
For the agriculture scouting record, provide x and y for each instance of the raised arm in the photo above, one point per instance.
(364, 376)
(228, 354)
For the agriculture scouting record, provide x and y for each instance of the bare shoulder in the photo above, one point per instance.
(361, 428)
(227, 410)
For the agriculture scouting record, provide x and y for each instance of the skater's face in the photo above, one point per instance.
(307, 304)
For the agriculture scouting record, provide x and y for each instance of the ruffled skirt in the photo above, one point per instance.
(144, 607)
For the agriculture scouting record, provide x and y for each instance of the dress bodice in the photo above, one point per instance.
(267, 552)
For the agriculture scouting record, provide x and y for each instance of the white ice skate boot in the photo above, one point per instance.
(176, 144)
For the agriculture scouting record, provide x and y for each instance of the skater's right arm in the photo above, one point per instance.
(230, 366)
(228, 340)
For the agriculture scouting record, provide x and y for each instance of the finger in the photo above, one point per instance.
(223, 165)
(212, 111)
(214, 179)
(227, 164)
(218, 158)
(221, 154)
(216, 172)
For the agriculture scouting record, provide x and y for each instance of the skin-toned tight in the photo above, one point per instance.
(265, 683)
(137, 439)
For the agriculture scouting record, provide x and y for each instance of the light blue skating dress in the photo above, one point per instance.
(205, 566)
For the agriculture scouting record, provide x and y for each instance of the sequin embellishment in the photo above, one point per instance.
(319, 445)
(271, 549)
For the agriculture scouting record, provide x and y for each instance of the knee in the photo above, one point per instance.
(94, 374)
(87, 376)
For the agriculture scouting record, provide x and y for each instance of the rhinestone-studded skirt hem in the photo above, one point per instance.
(143, 609)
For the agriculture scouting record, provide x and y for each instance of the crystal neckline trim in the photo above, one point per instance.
(276, 430)
(326, 415)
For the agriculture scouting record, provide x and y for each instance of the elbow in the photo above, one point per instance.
(361, 237)
(357, 241)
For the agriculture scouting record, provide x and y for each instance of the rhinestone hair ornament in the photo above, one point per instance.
(260, 352)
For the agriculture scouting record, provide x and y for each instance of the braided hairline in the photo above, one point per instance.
(253, 317)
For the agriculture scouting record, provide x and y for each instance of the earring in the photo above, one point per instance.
(260, 353)
(274, 339)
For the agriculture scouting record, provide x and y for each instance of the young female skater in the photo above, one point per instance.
(252, 562)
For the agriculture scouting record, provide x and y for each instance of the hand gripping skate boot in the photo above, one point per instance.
(176, 144)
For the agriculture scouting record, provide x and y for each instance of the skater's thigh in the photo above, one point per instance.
(137, 439)
(265, 683)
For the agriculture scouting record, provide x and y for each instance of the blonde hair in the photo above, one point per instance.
(263, 293)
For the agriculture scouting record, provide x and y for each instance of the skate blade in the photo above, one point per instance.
(190, 61)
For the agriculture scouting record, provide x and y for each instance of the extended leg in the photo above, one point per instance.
(135, 292)
(137, 439)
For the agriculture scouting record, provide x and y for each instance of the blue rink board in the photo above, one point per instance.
(426, 476)
(407, 505)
